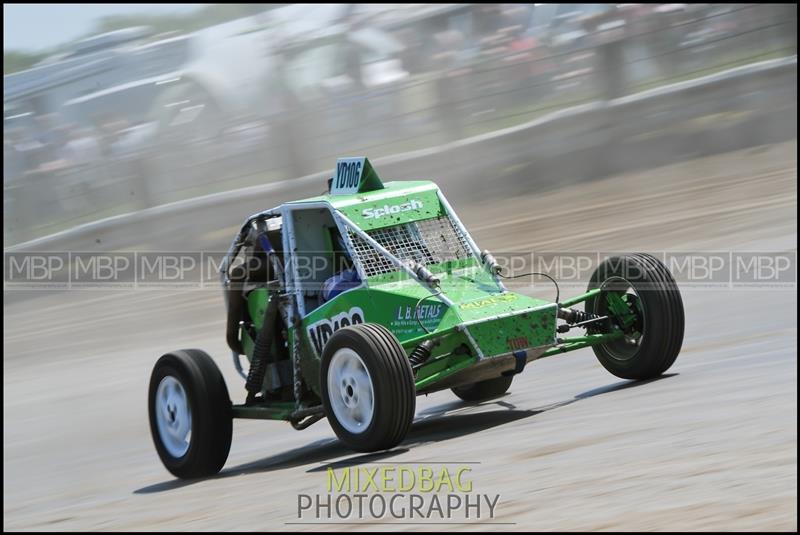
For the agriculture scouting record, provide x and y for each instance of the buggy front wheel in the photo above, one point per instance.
(642, 298)
(368, 387)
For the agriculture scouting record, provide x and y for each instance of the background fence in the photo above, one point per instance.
(455, 91)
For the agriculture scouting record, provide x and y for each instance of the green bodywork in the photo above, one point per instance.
(360, 207)
(484, 321)
(497, 322)
(483, 315)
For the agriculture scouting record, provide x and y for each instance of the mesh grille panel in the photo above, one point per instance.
(430, 241)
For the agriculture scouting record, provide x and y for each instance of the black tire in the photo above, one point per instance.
(210, 419)
(391, 381)
(660, 316)
(483, 390)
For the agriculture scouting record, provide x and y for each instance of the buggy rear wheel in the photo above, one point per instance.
(483, 390)
(367, 387)
(190, 414)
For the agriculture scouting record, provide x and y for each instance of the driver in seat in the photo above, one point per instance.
(344, 280)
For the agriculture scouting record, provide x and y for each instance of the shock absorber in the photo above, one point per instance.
(421, 353)
(263, 342)
(576, 318)
(571, 315)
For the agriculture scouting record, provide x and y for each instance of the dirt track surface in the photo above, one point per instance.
(711, 445)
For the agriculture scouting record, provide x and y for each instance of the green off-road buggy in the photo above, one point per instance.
(351, 304)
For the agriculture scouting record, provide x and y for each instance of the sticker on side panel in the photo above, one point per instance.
(488, 301)
(321, 331)
(405, 321)
(386, 209)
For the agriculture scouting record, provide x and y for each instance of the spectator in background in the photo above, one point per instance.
(51, 136)
(489, 20)
(449, 66)
(352, 64)
(122, 145)
(104, 124)
(607, 32)
(283, 108)
(127, 152)
(15, 157)
(82, 148)
(28, 149)
(46, 165)
(411, 56)
(80, 154)
(15, 165)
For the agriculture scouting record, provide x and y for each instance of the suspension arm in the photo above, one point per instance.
(579, 298)
(579, 342)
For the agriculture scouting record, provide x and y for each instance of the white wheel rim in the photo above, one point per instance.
(350, 391)
(173, 416)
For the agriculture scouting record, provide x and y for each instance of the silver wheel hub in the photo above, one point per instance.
(350, 391)
(173, 416)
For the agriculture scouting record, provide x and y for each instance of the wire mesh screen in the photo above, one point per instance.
(430, 241)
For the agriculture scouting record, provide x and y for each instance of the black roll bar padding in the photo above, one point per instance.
(235, 301)
(239, 240)
(232, 289)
